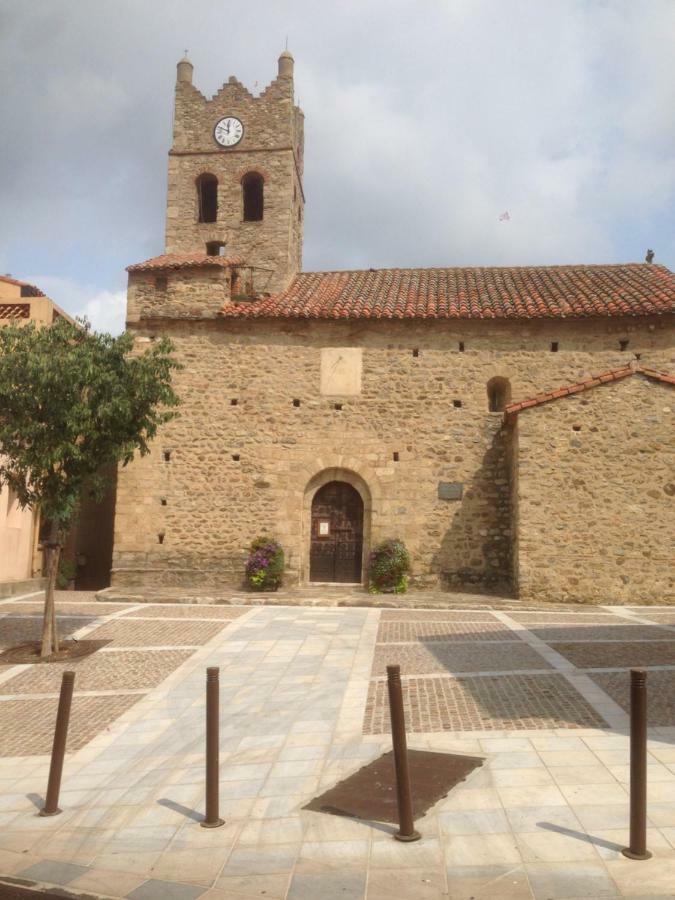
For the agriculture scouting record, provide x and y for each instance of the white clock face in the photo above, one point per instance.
(228, 132)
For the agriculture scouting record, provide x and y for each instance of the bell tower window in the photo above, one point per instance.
(207, 198)
(252, 193)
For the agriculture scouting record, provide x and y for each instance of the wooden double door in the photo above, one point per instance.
(336, 544)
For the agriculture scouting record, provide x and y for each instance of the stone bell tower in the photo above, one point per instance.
(235, 176)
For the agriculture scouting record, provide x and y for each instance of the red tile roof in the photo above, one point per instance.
(32, 290)
(479, 293)
(513, 409)
(185, 261)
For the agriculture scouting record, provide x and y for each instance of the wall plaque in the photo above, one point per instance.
(341, 371)
(450, 490)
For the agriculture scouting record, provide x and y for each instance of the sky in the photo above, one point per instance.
(425, 122)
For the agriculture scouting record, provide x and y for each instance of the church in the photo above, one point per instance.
(513, 426)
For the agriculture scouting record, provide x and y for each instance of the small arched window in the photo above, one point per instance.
(207, 198)
(499, 394)
(252, 190)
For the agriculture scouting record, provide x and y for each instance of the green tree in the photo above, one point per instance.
(71, 402)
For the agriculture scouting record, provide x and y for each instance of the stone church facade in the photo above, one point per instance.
(514, 426)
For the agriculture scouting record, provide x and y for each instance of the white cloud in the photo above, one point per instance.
(106, 310)
(424, 121)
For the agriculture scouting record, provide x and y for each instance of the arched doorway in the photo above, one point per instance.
(336, 537)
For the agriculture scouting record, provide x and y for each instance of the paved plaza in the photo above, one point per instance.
(540, 694)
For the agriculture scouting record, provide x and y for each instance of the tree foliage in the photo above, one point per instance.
(71, 402)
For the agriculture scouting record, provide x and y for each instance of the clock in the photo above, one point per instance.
(228, 131)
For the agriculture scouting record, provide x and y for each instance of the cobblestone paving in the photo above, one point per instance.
(544, 817)
(15, 629)
(418, 659)
(624, 633)
(444, 631)
(119, 671)
(618, 656)
(452, 649)
(482, 704)
(31, 722)
(125, 633)
(189, 611)
(436, 615)
(660, 694)
(64, 607)
(27, 722)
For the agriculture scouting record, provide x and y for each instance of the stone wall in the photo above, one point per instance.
(240, 458)
(596, 495)
(189, 293)
(272, 145)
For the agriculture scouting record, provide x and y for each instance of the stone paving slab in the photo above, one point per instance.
(421, 659)
(32, 722)
(660, 693)
(103, 671)
(545, 816)
(485, 703)
(600, 655)
(443, 631)
(188, 611)
(126, 633)
(111, 673)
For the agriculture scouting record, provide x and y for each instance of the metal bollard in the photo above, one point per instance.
(51, 807)
(638, 766)
(212, 819)
(406, 822)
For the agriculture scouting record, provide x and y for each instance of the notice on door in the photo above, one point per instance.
(324, 528)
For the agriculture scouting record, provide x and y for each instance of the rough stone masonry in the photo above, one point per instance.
(395, 382)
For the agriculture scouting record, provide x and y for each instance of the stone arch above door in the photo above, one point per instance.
(336, 536)
(320, 480)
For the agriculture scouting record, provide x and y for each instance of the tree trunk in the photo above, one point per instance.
(50, 636)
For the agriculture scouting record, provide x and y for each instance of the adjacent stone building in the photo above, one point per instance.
(514, 426)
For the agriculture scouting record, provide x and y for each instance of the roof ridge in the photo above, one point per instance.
(187, 260)
(607, 377)
(520, 268)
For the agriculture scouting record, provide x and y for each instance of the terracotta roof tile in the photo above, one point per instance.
(513, 409)
(479, 293)
(185, 261)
